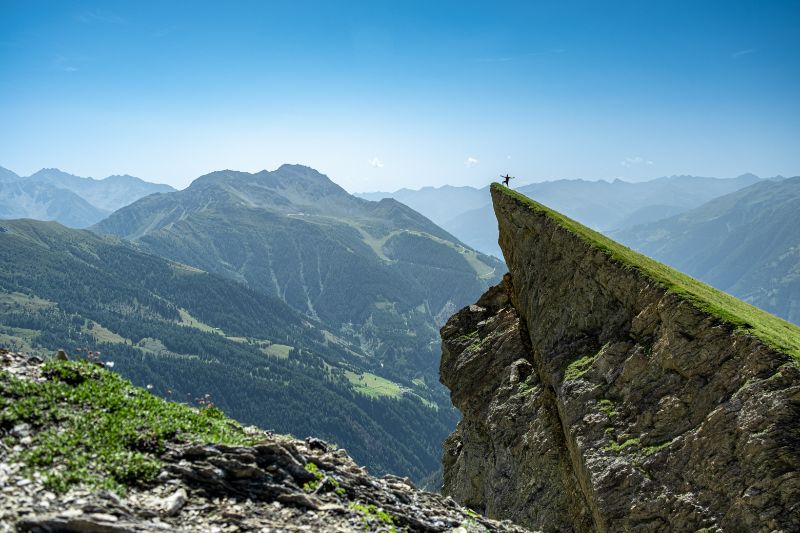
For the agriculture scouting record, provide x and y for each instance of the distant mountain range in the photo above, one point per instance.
(378, 271)
(746, 243)
(440, 204)
(465, 211)
(379, 277)
(39, 201)
(51, 194)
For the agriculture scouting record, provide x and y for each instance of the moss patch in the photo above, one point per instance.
(618, 447)
(373, 516)
(579, 367)
(314, 470)
(650, 450)
(775, 332)
(607, 406)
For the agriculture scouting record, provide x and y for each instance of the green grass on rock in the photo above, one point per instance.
(774, 331)
(90, 426)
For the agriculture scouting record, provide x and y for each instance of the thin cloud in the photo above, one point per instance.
(636, 161)
(471, 162)
(742, 53)
(375, 162)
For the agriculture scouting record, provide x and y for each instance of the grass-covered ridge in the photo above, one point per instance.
(774, 331)
(87, 425)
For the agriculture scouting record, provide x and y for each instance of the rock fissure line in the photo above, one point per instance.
(549, 397)
(576, 464)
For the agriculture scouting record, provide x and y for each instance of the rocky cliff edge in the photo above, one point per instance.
(81, 450)
(602, 391)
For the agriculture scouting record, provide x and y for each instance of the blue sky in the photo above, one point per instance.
(381, 95)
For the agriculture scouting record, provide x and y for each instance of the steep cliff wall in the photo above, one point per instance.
(603, 391)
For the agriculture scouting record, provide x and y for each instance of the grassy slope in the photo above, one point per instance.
(374, 386)
(774, 331)
(90, 426)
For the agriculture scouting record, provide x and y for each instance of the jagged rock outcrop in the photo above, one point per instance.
(508, 419)
(594, 398)
(279, 484)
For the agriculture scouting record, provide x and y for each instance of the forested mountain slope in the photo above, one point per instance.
(187, 334)
(377, 273)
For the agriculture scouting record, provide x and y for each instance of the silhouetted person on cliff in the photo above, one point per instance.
(506, 178)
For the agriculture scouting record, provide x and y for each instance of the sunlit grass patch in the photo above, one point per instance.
(372, 385)
(774, 331)
(89, 426)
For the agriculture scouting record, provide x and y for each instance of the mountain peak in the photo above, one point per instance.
(46, 196)
(310, 175)
(219, 176)
(47, 173)
(290, 187)
(748, 176)
(296, 167)
(8, 175)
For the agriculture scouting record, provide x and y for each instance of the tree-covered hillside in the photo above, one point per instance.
(377, 273)
(198, 337)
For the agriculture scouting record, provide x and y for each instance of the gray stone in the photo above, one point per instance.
(174, 503)
(640, 412)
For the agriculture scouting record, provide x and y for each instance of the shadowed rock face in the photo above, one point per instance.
(594, 399)
(508, 416)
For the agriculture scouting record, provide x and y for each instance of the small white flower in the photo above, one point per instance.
(110, 364)
(149, 387)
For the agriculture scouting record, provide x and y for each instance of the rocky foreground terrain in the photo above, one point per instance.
(601, 391)
(276, 483)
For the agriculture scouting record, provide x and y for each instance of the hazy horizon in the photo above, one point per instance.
(388, 96)
(515, 184)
